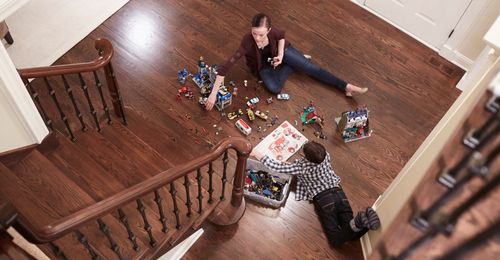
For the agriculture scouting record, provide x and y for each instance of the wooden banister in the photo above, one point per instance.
(70, 223)
(103, 61)
(104, 48)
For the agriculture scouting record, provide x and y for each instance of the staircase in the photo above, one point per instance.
(102, 189)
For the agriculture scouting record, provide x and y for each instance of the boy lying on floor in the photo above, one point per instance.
(317, 181)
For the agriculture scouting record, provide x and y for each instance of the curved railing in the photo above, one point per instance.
(233, 209)
(58, 81)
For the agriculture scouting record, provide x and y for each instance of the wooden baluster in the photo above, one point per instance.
(34, 95)
(188, 197)
(147, 227)
(449, 177)
(224, 175)
(210, 183)
(200, 196)
(89, 101)
(57, 251)
(163, 219)
(104, 228)
(69, 90)
(87, 246)
(114, 92)
(473, 138)
(64, 118)
(173, 192)
(105, 107)
(131, 235)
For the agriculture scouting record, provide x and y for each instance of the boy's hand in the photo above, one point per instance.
(257, 154)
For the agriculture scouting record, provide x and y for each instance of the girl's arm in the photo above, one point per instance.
(213, 95)
(281, 51)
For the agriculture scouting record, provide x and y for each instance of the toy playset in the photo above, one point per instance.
(354, 125)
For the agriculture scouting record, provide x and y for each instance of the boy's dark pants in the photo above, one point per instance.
(335, 213)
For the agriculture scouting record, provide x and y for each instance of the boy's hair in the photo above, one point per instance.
(314, 152)
(261, 19)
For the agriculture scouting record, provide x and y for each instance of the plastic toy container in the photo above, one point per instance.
(258, 166)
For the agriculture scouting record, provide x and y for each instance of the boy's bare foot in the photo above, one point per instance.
(353, 89)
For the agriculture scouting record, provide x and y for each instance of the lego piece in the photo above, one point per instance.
(224, 98)
(251, 115)
(310, 115)
(269, 100)
(283, 96)
(245, 83)
(252, 102)
(243, 127)
(182, 75)
(261, 115)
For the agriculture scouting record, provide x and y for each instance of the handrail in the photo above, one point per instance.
(69, 223)
(104, 48)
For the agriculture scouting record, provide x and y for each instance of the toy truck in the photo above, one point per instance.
(243, 127)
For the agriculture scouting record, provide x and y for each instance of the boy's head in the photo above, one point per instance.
(314, 152)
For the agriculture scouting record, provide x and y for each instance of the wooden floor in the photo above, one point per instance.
(411, 87)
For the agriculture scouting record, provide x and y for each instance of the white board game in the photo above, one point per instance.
(282, 143)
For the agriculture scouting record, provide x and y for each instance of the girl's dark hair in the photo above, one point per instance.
(261, 19)
(314, 152)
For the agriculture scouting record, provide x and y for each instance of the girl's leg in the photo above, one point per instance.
(296, 60)
(274, 79)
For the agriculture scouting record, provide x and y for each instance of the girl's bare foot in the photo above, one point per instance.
(350, 89)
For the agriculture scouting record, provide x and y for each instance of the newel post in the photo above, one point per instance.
(230, 211)
(239, 180)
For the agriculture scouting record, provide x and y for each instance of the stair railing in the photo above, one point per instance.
(58, 76)
(228, 211)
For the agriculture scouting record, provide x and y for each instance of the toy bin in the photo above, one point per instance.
(260, 197)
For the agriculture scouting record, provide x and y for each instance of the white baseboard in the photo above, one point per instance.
(455, 57)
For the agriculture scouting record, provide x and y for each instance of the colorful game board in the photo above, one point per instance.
(282, 143)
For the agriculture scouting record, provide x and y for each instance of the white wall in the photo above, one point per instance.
(20, 123)
(473, 44)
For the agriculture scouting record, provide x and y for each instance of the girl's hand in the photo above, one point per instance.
(277, 60)
(211, 101)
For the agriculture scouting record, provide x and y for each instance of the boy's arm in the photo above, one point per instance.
(281, 167)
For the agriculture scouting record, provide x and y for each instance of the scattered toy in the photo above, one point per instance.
(243, 127)
(251, 115)
(261, 115)
(182, 75)
(283, 96)
(269, 100)
(224, 98)
(274, 120)
(310, 115)
(354, 125)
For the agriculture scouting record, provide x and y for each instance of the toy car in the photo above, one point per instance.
(254, 100)
(283, 96)
(243, 127)
(261, 115)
